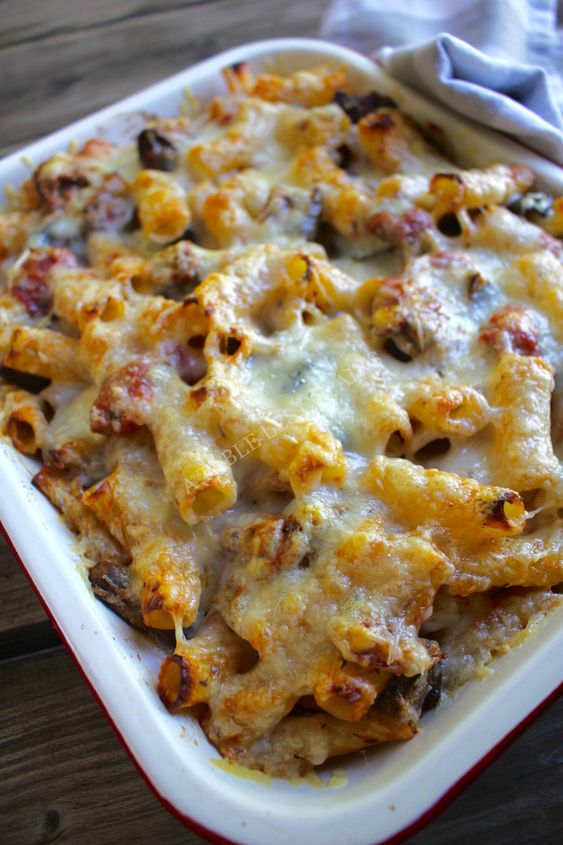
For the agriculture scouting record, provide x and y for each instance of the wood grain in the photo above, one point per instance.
(65, 777)
(25, 21)
(18, 605)
(516, 800)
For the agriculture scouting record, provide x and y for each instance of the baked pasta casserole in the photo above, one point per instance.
(296, 381)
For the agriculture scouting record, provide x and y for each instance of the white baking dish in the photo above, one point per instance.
(386, 791)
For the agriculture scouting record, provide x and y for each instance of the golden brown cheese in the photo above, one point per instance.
(305, 404)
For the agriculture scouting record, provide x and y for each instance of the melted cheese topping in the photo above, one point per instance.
(306, 405)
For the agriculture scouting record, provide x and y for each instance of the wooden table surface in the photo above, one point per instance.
(64, 776)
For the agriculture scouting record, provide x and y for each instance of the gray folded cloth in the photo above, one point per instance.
(509, 96)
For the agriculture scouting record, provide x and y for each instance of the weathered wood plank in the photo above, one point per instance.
(67, 74)
(28, 20)
(516, 800)
(65, 777)
(18, 605)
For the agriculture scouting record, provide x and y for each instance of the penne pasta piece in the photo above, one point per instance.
(80, 296)
(326, 126)
(540, 277)
(23, 421)
(162, 205)
(474, 188)
(448, 408)
(348, 691)
(521, 396)
(502, 231)
(250, 705)
(64, 490)
(198, 475)
(534, 560)
(320, 282)
(14, 230)
(471, 509)
(133, 503)
(47, 353)
(200, 665)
